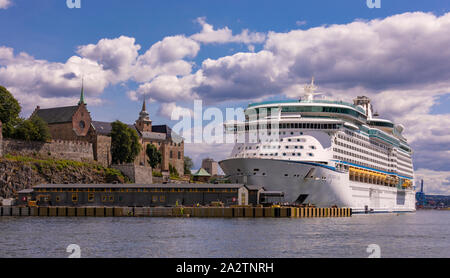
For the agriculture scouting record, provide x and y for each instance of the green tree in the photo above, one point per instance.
(125, 144)
(9, 112)
(154, 156)
(188, 164)
(34, 129)
(173, 171)
(25, 130)
(43, 132)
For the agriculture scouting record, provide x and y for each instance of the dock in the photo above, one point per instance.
(217, 212)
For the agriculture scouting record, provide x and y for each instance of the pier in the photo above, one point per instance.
(219, 212)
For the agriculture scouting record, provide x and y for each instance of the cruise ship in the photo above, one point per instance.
(324, 153)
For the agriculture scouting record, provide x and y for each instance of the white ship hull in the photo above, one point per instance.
(318, 184)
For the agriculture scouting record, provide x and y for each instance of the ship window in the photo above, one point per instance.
(284, 154)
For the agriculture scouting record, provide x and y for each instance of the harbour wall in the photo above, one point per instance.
(220, 212)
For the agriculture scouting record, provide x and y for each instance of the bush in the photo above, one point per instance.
(188, 164)
(157, 174)
(173, 171)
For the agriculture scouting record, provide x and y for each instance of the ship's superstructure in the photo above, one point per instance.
(325, 153)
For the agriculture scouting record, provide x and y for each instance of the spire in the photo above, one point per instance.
(82, 93)
(144, 108)
(144, 114)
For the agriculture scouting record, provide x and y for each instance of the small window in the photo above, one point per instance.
(154, 198)
(74, 197)
(162, 198)
(104, 198)
(111, 198)
(58, 198)
(91, 197)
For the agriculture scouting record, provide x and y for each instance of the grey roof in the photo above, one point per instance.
(153, 135)
(168, 131)
(155, 185)
(103, 128)
(57, 115)
(254, 187)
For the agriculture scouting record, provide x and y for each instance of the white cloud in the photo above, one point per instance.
(108, 62)
(4, 4)
(300, 22)
(168, 88)
(30, 79)
(225, 35)
(166, 57)
(115, 55)
(167, 110)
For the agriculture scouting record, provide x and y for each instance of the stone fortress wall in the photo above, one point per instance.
(57, 149)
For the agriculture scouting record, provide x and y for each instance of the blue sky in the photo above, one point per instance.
(58, 41)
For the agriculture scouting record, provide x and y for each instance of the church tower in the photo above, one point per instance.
(144, 124)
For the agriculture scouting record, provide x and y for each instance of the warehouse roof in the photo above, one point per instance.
(155, 185)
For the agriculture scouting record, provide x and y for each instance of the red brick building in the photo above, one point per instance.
(74, 123)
